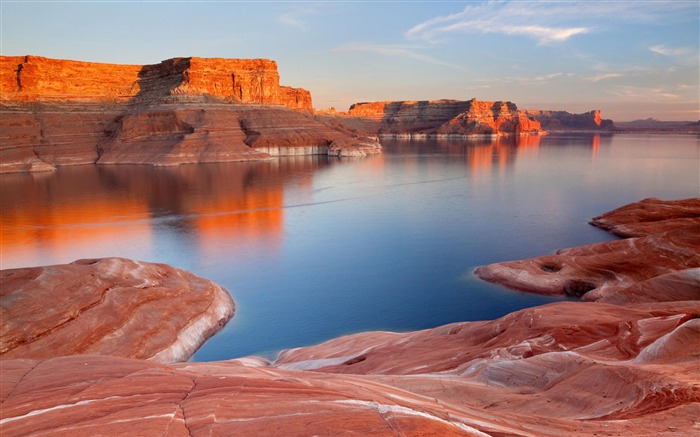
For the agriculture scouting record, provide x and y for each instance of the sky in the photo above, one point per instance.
(630, 59)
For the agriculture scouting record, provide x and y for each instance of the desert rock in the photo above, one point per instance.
(565, 368)
(180, 111)
(445, 118)
(110, 306)
(666, 250)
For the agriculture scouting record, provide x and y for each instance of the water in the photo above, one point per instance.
(315, 247)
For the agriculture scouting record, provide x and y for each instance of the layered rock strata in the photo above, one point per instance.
(565, 121)
(561, 369)
(660, 260)
(110, 306)
(34, 78)
(183, 110)
(445, 118)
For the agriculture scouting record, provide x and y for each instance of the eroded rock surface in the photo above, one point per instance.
(561, 369)
(661, 259)
(110, 306)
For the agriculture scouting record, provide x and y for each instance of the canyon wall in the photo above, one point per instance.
(458, 118)
(446, 117)
(34, 78)
(562, 120)
(183, 110)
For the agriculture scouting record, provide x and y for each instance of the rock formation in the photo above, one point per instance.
(629, 367)
(566, 121)
(183, 110)
(457, 118)
(34, 78)
(446, 117)
(663, 254)
(110, 306)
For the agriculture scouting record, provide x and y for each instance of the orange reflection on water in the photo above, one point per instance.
(595, 145)
(94, 211)
(55, 229)
(258, 215)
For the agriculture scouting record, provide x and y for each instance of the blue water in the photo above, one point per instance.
(315, 247)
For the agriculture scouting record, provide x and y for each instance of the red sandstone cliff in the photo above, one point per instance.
(182, 110)
(566, 121)
(446, 117)
(458, 117)
(34, 78)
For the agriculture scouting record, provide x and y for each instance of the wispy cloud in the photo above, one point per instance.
(646, 94)
(297, 16)
(545, 21)
(541, 79)
(672, 52)
(604, 76)
(509, 18)
(396, 51)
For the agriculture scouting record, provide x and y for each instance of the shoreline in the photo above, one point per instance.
(549, 369)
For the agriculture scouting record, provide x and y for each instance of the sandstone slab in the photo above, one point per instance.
(561, 369)
(110, 306)
(665, 250)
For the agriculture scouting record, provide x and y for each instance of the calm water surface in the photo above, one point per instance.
(313, 247)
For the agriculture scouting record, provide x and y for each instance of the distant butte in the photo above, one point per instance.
(626, 364)
(457, 118)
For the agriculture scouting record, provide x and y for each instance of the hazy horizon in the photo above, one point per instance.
(630, 59)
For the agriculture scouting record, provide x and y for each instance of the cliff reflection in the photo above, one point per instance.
(484, 155)
(92, 210)
(481, 154)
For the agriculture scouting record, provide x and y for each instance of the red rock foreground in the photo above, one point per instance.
(661, 260)
(110, 306)
(560, 369)
(566, 368)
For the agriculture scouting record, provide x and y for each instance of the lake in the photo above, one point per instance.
(315, 247)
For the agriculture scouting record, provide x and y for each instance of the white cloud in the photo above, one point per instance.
(672, 52)
(530, 19)
(297, 16)
(646, 94)
(603, 76)
(546, 21)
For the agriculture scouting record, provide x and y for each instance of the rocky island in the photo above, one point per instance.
(622, 362)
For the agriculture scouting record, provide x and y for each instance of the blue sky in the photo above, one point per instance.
(631, 59)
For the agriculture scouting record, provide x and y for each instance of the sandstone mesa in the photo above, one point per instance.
(625, 367)
(195, 110)
(183, 110)
(459, 118)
